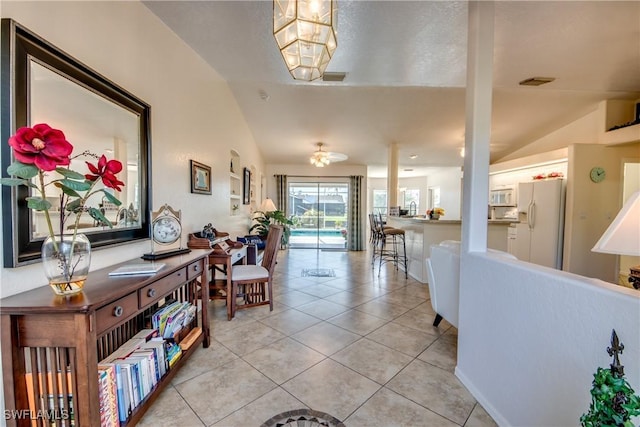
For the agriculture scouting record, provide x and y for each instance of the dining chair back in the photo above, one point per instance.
(252, 285)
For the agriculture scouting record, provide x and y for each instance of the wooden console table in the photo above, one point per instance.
(47, 335)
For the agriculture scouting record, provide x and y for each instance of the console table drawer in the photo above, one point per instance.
(114, 313)
(151, 293)
(238, 254)
(195, 269)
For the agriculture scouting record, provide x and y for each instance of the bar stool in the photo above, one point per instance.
(389, 241)
(377, 226)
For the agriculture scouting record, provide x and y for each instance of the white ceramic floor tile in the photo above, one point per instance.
(217, 394)
(284, 359)
(373, 360)
(331, 388)
(387, 408)
(326, 338)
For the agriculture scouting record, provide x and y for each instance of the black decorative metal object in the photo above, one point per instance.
(616, 348)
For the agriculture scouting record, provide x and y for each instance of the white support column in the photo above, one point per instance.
(392, 176)
(478, 125)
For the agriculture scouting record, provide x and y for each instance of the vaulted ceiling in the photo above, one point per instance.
(405, 65)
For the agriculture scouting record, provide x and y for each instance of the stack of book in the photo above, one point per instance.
(131, 372)
(172, 318)
(138, 365)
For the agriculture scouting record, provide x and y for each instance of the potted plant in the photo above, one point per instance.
(613, 401)
(265, 219)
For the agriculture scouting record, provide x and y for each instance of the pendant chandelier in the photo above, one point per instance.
(320, 158)
(305, 31)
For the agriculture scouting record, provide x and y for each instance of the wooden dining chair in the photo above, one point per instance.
(252, 285)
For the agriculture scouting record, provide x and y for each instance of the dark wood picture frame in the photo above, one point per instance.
(20, 46)
(246, 187)
(200, 178)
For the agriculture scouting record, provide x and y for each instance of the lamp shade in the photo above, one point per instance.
(623, 235)
(268, 206)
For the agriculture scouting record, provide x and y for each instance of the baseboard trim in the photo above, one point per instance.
(482, 400)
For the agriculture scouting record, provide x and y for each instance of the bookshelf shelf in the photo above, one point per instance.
(41, 334)
(235, 182)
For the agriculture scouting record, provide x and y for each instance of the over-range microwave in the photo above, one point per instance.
(503, 197)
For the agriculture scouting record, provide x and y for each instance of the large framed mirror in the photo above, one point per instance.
(42, 84)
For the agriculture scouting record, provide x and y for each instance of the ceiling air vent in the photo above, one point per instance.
(333, 77)
(536, 81)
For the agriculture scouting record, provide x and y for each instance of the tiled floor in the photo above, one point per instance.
(356, 346)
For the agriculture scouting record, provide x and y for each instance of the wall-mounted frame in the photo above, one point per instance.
(42, 84)
(200, 178)
(246, 187)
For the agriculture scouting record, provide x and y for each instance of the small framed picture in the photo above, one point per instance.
(200, 178)
(246, 191)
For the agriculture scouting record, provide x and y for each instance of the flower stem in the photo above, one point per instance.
(46, 211)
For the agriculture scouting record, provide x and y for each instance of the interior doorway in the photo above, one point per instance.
(631, 184)
(319, 210)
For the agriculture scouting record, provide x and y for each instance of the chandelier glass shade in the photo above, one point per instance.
(305, 31)
(320, 158)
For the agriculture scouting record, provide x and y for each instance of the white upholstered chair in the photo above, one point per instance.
(443, 272)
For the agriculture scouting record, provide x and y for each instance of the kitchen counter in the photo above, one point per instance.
(421, 233)
(422, 219)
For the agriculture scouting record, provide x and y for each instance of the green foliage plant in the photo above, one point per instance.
(264, 219)
(613, 401)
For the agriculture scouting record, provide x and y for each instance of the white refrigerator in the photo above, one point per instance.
(539, 235)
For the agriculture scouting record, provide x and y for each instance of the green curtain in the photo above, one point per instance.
(282, 195)
(356, 199)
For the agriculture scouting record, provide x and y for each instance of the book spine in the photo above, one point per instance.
(108, 396)
(123, 413)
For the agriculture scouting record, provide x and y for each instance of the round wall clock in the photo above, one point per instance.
(597, 174)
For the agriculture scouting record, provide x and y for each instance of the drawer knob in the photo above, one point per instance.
(117, 311)
(151, 293)
(196, 268)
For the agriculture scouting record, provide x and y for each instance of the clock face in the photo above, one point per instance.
(597, 174)
(166, 230)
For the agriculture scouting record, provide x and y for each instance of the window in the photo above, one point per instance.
(380, 201)
(411, 196)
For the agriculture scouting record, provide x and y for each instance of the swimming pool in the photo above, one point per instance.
(328, 238)
(316, 232)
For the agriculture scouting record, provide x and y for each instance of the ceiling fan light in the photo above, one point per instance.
(305, 31)
(320, 158)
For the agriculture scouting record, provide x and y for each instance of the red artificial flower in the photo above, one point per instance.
(106, 170)
(41, 145)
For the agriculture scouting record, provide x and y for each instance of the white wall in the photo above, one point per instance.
(448, 179)
(530, 339)
(193, 112)
(584, 130)
(591, 207)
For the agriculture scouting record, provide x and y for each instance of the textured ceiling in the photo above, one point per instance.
(405, 65)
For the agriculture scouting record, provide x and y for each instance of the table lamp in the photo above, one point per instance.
(267, 206)
(623, 235)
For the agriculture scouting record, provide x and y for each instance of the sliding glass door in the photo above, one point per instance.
(319, 211)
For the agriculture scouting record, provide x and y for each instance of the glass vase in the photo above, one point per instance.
(66, 260)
